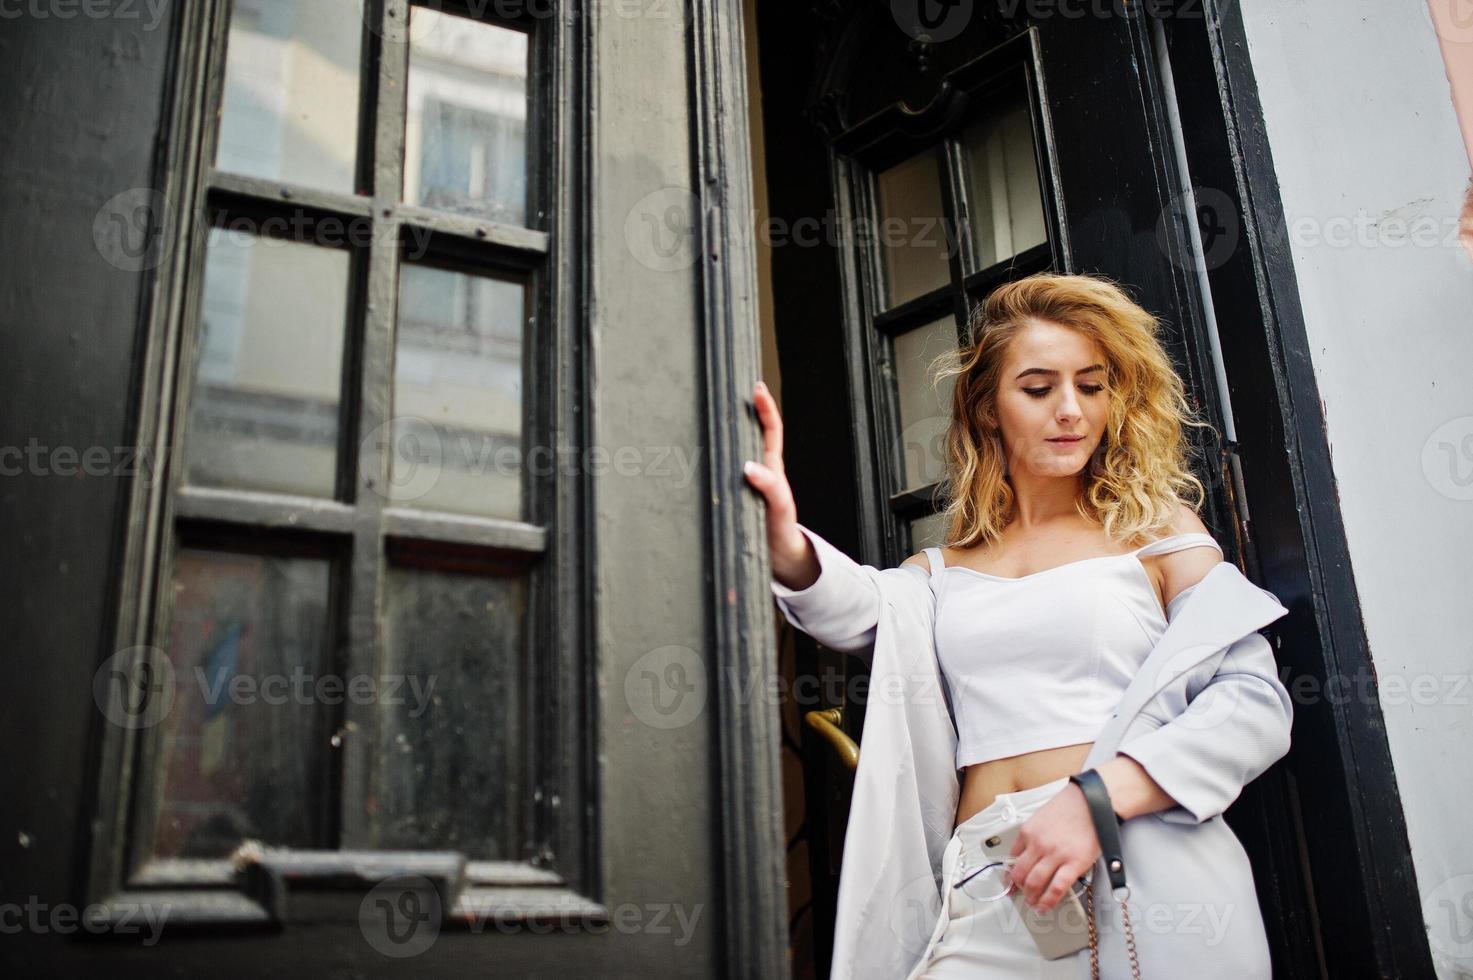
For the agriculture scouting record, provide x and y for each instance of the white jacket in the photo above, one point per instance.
(1205, 715)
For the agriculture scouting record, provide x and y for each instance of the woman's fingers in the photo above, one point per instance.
(1022, 864)
(757, 475)
(1039, 878)
(1057, 886)
(769, 478)
(772, 487)
(772, 426)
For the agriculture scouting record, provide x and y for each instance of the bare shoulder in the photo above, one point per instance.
(1180, 570)
(920, 560)
(1187, 521)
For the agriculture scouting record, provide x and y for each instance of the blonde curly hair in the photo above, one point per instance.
(1136, 481)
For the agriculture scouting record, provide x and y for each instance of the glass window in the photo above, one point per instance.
(911, 231)
(291, 91)
(388, 384)
(263, 414)
(457, 441)
(1005, 205)
(465, 147)
(924, 411)
(243, 735)
(452, 753)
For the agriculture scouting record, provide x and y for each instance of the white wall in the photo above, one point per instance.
(1363, 133)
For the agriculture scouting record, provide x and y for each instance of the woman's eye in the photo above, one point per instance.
(1087, 389)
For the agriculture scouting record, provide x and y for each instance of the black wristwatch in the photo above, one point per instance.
(1106, 821)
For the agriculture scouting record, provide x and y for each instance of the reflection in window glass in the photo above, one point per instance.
(924, 412)
(452, 752)
(912, 228)
(290, 109)
(466, 125)
(457, 438)
(244, 751)
(263, 414)
(1006, 208)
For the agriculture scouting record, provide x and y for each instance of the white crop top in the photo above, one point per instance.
(1041, 661)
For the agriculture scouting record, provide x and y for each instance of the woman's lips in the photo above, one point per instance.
(1066, 439)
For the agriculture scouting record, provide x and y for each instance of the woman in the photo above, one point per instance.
(1070, 551)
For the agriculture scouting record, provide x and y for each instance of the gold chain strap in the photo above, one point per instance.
(1094, 939)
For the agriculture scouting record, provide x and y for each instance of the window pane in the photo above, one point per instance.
(457, 437)
(452, 754)
(290, 109)
(264, 411)
(928, 532)
(244, 748)
(466, 126)
(924, 412)
(1002, 174)
(911, 232)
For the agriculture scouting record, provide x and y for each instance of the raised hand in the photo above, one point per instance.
(794, 563)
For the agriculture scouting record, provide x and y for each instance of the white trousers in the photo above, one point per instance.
(977, 938)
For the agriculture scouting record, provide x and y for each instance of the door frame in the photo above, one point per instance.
(1350, 907)
(1363, 881)
(751, 835)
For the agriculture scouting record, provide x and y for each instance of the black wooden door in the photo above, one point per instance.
(958, 146)
(377, 564)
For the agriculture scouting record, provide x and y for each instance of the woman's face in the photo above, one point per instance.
(1052, 386)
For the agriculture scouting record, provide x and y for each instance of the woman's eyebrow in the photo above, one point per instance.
(1050, 372)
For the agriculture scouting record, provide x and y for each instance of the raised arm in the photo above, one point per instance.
(819, 589)
(840, 608)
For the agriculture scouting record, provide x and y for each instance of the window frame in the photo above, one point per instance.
(358, 529)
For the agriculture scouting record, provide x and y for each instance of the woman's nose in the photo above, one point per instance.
(1069, 408)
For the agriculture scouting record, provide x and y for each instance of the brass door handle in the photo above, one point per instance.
(827, 723)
